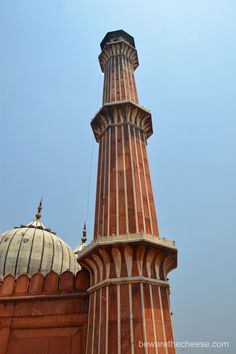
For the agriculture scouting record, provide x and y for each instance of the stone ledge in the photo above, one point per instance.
(127, 280)
(128, 238)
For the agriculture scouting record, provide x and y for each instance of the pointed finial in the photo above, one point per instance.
(83, 240)
(40, 207)
(84, 232)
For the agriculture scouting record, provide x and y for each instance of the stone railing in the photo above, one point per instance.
(40, 284)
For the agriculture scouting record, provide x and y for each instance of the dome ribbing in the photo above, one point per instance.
(34, 248)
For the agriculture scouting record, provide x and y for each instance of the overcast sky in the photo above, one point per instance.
(50, 89)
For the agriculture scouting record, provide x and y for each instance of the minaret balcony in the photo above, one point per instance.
(122, 113)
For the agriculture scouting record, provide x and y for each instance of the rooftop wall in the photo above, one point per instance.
(44, 314)
(38, 284)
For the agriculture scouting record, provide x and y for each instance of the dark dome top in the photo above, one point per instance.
(116, 36)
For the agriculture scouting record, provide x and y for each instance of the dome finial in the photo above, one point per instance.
(83, 243)
(40, 207)
(84, 232)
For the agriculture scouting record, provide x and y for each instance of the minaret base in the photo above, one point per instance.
(129, 308)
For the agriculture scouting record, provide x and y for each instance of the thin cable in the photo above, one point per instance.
(91, 156)
(92, 151)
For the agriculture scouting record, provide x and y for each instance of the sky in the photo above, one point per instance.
(50, 89)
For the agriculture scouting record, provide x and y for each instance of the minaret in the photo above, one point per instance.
(124, 201)
(128, 261)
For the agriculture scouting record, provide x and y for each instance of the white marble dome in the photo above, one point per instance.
(34, 248)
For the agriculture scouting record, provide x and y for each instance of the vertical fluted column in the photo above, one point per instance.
(118, 63)
(124, 200)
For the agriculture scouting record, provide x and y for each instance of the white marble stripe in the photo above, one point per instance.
(107, 318)
(104, 84)
(131, 319)
(153, 317)
(139, 178)
(118, 321)
(133, 180)
(127, 81)
(124, 77)
(110, 79)
(89, 315)
(135, 89)
(117, 185)
(114, 76)
(114, 70)
(145, 180)
(100, 186)
(94, 314)
(119, 68)
(131, 81)
(143, 317)
(104, 183)
(109, 183)
(100, 322)
(162, 318)
(168, 300)
(125, 181)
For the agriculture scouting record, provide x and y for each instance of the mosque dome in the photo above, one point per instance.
(33, 248)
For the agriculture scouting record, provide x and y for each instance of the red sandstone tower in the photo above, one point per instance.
(128, 261)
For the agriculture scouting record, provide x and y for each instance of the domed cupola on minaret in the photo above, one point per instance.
(34, 248)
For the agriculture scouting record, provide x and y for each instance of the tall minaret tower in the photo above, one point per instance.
(128, 261)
